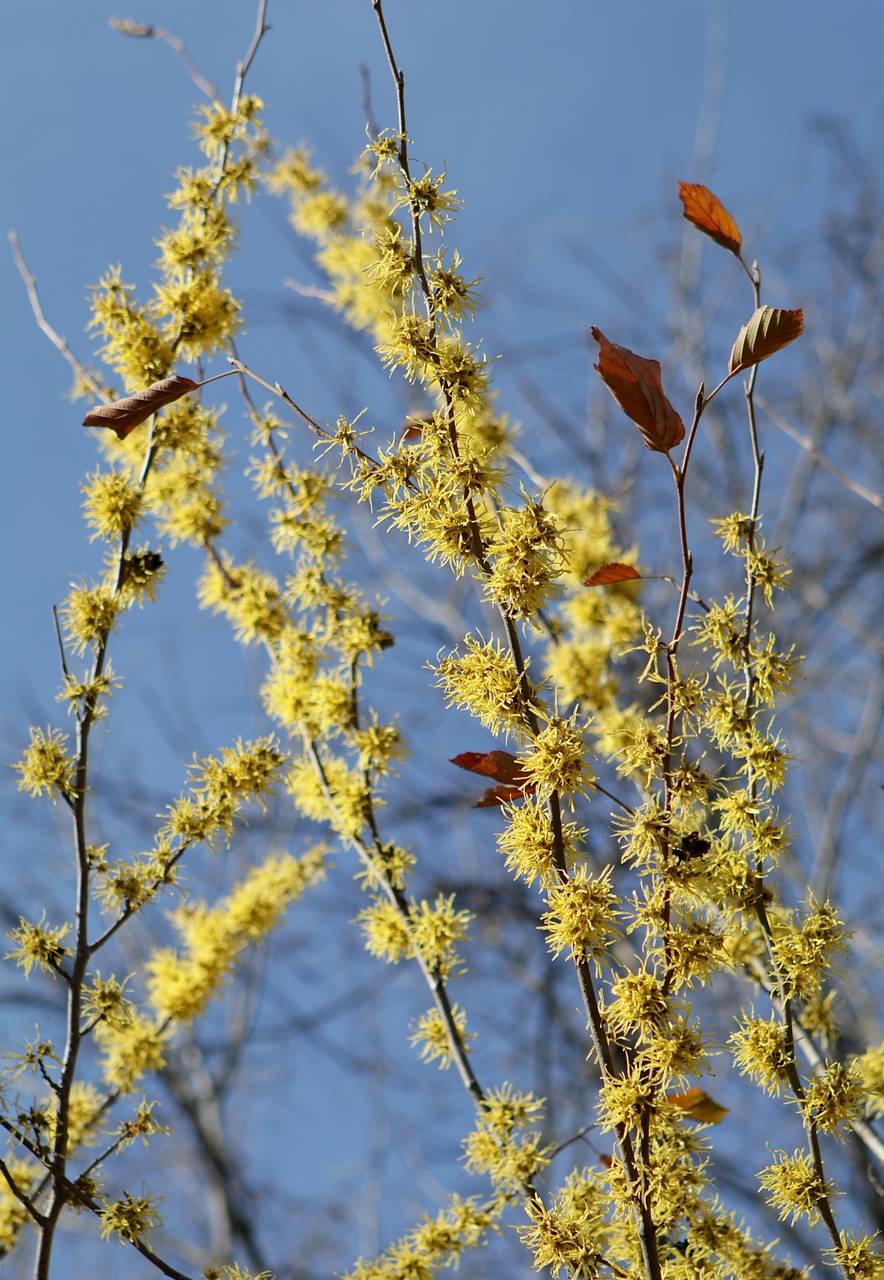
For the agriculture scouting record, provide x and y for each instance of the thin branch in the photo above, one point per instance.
(779, 986)
(74, 1034)
(370, 122)
(863, 1129)
(20, 1195)
(569, 1142)
(868, 495)
(276, 389)
(30, 283)
(147, 31)
(61, 653)
(847, 786)
(62, 1189)
(243, 68)
(129, 911)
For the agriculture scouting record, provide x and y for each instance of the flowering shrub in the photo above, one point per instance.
(691, 900)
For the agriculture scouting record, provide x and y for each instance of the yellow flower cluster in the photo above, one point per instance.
(46, 765)
(180, 983)
(219, 788)
(431, 1037)
(569, 1236)
(435, 1244)
(431, 931)
(13, 1213)
(504, 1144)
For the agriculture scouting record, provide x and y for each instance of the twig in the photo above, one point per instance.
(865, 1131)
(242, 70)
(147, 31)
(280, 392)
(309, 291)
(779, 987)
(569, 1142)
(868, 495)
(196, 1093)
(847, 785)
(82, 952)
(679, 475)
(30, 282)
(20, 1195)
(132, 908)
(64, 664)
(370, 121)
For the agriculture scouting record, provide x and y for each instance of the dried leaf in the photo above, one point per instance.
(123, 416)
(413, 427)
(697, 1104)
(637, 386)
(500, 765)
(611, 573)
(767, 331)
(512, 783)
(129, 27)
(502, 794)
(708, 214)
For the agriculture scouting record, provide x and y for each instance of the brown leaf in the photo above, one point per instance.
(697, 1104)
(636, 385)
(502, 794)
(512, 782)
(709, 215)
(413, 427)
(767, 331)
(123, 416)
(611, 573)
(500, 765)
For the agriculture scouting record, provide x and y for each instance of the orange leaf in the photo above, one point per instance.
(123, 416)
(611, 573)
(512, 782)
(709, 215)
(636, 385)
(767, 331)
(697, 1104)
(500, 765)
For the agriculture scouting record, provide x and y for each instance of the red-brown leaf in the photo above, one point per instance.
(637, 386)
(500, 765)
(708, 214)
(611, 573)
(505, 768)
(767, 331)
(502, 794)
(123, 416)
